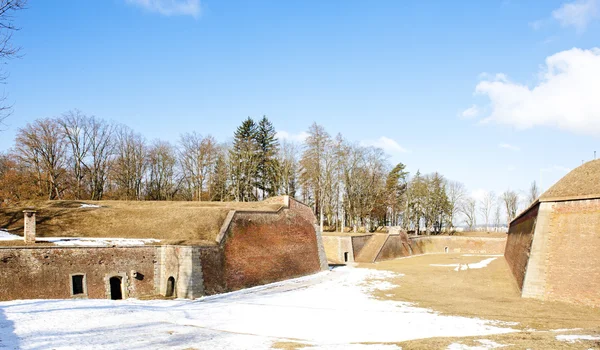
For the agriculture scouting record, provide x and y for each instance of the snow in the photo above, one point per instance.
(575, 338)
(462, 267)
(85, 205)
(329, 310)
(485, 344)
(96, 242)
(5, 236)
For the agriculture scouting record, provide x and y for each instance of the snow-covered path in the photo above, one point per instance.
(329, 310)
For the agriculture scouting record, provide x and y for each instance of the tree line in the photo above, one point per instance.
(349, 186)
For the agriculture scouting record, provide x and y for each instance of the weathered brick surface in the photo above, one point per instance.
(573, 260)
(394, 247)
(518, 244)
(32, 273)
(358, 242)
(266, 247)
(212, 261)
(457, 244)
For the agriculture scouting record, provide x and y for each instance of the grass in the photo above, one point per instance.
(488, 293)
(181, 222)
(582, 181)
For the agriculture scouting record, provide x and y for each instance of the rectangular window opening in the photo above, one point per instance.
(345, 256)
(78, 284)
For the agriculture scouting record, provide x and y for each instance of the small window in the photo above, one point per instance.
(345, 256)
(78, 285)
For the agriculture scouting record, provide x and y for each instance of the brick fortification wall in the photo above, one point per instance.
(518, 244)
(572, 260)
(395, 246)
(33, 273)
(213, 267)
(267, 247)
(457, 244)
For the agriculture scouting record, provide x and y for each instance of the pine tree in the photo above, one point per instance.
(267, 163)
(243, 161)
(218, 184)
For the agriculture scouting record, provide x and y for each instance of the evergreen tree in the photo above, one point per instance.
(218, 184)
(267, 163)
(243, 159)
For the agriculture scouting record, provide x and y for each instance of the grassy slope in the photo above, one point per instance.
(175, 221)
(488, 293)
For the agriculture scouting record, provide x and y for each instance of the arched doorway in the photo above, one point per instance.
(116, 288)
(170, 287)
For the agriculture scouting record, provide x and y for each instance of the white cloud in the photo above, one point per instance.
(169, 7)
(509, 147)
(479, 194)
(566, 97)
(577, 14)
(386, 144)
(284, 135)
(471, 112)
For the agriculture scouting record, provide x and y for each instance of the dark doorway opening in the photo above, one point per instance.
(345, 256)
(170, 287)
(77, 283)
(116, 289)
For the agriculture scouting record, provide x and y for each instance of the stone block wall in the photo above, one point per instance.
(45, 272)
(182, 263)
(338, 248)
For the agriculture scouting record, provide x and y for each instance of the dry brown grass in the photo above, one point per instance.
(488, 293)
(582, 181)
(523, 340)
(175, 221)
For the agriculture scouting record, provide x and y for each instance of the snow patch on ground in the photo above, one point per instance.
(5, 236)
(314, 310)
(576, 338)
(462, 267)
(85, 205)
(96, 242)
(485, 344)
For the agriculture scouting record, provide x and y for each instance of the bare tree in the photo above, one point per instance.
(469, 210)
(74, 126)
(197, 157)
(7, 50)
(511, 203)
(315, 165)
(288, 168)
(487, 204)
(162, 161)
(534, 192)
(456, 195)
(130, 163)
(498, 216)
(42, 146)
(99, 134)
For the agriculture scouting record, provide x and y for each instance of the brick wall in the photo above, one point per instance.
(518, 244)
(32, 273)
(573, 260)
(457, 244)
(358, 242)
(213, 262)
(266, 247)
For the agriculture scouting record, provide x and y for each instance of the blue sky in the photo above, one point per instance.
(459, 87)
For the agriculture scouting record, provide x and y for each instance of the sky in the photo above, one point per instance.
(494, 94)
